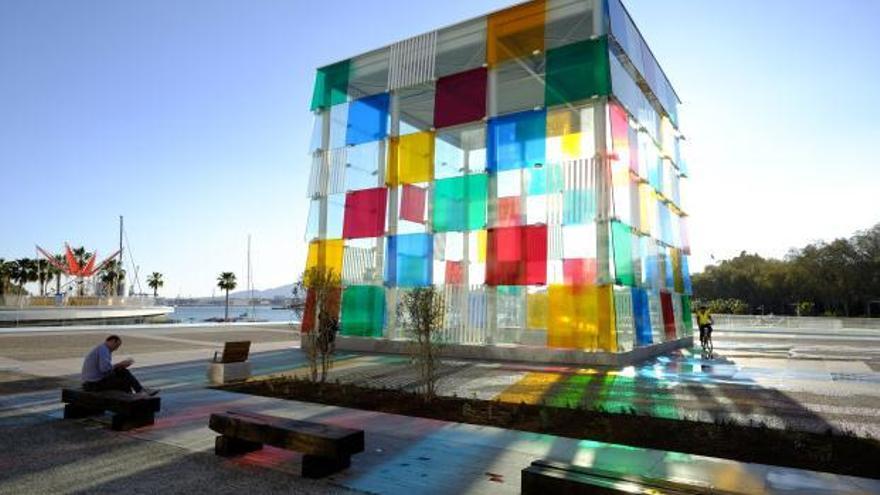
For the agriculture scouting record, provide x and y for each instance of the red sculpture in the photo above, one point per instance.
(73, 268)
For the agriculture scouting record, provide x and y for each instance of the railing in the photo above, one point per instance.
(15, 301)
(793, 322)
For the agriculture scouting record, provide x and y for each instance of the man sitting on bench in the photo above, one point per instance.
(99, 373)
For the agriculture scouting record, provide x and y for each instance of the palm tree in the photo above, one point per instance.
(59, 258)
(154, 281)
(5, 275)
(113, 275)
(23, 271)
(44, 274)
(226, 281)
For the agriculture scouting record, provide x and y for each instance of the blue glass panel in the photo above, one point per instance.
(517, 140)
(578, 207)
(686, 276)
(642, 316)
(367, 119)
(670, 275)
(409, 260)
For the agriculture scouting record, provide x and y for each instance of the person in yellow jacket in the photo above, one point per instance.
(704, 321)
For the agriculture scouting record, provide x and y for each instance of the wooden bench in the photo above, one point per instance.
(232, 364)
(327, 449)
(233, 352)
(544, 476)
(130, 411)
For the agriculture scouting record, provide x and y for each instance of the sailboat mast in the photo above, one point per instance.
(121, 223)
(250, 280)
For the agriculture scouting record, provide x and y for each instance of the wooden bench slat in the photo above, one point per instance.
(235, 352)
(111, 400)
(545, 476)
(301, 436)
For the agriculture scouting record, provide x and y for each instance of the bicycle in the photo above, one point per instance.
(706, 342)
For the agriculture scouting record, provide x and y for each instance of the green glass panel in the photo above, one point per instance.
(621, 237)
(460, 203)
(577, 71)
(363, 311)
(687, 315)
(331, 85)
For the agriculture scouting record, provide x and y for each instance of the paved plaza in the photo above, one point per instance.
(806, 379)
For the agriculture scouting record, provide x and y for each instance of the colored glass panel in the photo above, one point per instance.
(687, 314)
(329, 305)
(570, 134)
(363, 311)
(578, 71)
(516, 32)
(508, 212)
(365, 213)
(409, 260)
(325, 254)
(642, 316)
(579, 271)
(412, 203)
(360, 165)
(460, 203)
(517, 255)
(536, 309)
(331, 85)
(460, 98)
(367, 119)
(621, 237)
(580, 317)
(454, 272)
(411, 159)
(517, 140)
(677, 279)
(668, 315)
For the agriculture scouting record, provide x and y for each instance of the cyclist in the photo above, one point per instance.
(704, 321)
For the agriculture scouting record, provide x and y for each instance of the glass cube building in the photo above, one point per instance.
(527, 163)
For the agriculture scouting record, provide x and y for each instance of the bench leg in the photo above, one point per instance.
(227, 446)
(124, 422)
(318, 467)
(73, 411)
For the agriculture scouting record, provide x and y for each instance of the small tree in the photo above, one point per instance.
(226, 281)
(319, 294)
(421, 313)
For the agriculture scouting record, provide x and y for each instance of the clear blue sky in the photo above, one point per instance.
(190, 117)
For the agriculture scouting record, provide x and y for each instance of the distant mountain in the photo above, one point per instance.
(283, 291)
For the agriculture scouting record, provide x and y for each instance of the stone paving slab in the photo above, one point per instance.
(406, 455)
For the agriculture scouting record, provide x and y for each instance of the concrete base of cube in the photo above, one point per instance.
(221, 373)
(517, 352)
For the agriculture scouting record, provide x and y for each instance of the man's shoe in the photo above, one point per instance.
(150, 392)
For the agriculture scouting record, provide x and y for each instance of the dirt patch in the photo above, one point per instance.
(836, 452)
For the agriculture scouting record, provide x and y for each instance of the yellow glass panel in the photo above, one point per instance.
(570, 134)
(533, 388)
(572, 317)
(481, 246)
(326, 253)
(536, 305)
(411, 159)
(516, 32)
(607, 333)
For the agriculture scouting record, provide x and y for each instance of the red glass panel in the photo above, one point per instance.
(579, 271)
(309, 316)
(668, 315)
(517, 256)
(460, 98)
(412, 204)
(454, 272)
(621, 137)
(364, 213)
(509, 213)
